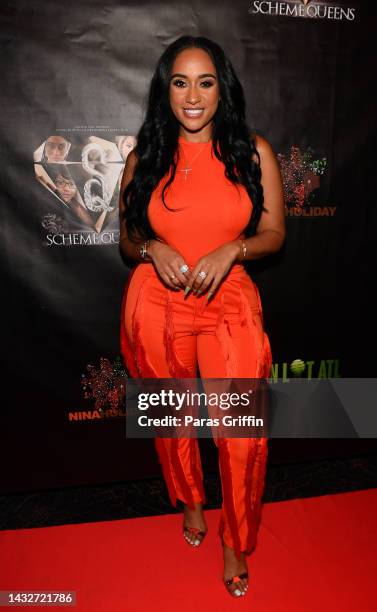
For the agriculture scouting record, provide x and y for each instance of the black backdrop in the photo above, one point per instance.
(79, 74)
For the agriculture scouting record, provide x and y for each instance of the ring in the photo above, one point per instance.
(172, 275)
(202, 274)
(184, 268)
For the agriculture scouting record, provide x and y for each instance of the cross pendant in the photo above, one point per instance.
(186, 170)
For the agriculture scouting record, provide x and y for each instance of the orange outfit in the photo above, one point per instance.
(164, 334)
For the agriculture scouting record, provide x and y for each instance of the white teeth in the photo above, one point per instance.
(192, 112)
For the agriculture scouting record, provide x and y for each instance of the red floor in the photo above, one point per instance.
(314, 554)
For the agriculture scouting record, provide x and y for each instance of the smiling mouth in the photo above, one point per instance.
(193, 112)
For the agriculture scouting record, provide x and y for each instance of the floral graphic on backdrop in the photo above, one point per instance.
(301, 175)
(106, 386)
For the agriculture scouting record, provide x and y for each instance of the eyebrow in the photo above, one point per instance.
(207, 74)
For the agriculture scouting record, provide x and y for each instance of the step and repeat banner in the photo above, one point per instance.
(74, 83)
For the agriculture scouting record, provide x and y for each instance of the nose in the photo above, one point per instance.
(193, 95)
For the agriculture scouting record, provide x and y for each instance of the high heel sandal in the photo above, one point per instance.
(237, 578)
(197, 532)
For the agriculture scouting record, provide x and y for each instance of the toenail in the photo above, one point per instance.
(237, 592)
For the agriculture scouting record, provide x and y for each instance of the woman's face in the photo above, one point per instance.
(194, 87)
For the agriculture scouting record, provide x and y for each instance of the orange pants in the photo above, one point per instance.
(164, 335)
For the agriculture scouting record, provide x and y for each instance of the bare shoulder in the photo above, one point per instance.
(129, 169)
(132, 158)
(263, 147)
(271, 177)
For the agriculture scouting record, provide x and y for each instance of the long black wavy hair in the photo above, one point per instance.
(157, 140)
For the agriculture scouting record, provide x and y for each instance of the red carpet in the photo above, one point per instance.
(313, 555)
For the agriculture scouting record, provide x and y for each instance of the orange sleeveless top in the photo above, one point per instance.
(208, 209)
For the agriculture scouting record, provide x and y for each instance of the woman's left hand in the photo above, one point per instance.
(216, 264)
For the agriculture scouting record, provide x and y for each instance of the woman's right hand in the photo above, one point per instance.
(168, 262)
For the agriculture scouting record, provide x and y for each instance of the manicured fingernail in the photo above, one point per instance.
(187, 290)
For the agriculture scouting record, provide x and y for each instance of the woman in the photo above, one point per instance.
(191, 212)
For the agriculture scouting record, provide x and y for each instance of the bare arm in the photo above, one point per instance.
(270, 232)
(129, 249)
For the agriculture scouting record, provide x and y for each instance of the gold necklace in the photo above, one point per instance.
(186, 170)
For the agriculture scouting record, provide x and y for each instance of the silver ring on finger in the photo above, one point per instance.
(184, 268)
(202, 274)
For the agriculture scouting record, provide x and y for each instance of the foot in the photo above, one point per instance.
(234, 568)
(194, 525)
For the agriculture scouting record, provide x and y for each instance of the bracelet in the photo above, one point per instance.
(244, 250)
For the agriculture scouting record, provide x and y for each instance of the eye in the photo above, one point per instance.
(206, 84)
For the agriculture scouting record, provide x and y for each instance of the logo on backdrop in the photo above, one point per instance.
(104, 384)
(304, 8)
(309, 369)
(302, 173)
(82, 174)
